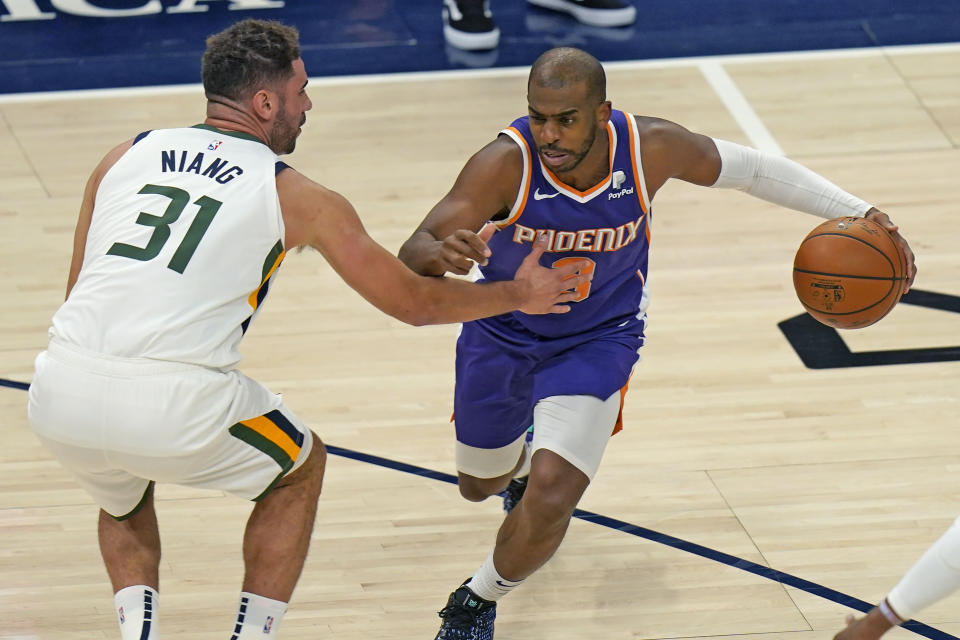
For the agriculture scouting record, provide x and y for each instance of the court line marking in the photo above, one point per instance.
(504, 72)
(739, 107)
(736, 103)
(670, 541)
(13, 384)
(640, 532)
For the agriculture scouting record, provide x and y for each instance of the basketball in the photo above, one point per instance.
(849, 273)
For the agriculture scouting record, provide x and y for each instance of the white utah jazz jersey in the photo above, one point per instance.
(185, 236)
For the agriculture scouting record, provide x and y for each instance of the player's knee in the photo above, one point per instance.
(317, 461)
(553, 491)
(309, 474)
(479, 489)
(473, 492)
(550, 509)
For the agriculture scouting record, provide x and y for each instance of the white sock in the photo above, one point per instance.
(258, 617)
(490, 585)
(934, 576)
(136, 609)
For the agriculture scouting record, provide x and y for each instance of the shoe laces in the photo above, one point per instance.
(457, 616)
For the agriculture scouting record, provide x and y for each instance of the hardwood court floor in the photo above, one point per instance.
(839, 476)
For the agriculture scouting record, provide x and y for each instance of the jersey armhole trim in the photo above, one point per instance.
(521, 202)
(637, 163)
(141, 136)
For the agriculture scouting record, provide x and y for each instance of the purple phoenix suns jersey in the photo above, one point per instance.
(608, 225)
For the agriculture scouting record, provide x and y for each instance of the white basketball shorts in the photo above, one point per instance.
(577, 428)
(118, 424)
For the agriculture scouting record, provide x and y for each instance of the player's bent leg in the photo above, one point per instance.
(529, 536)
(486, 472)
(479, 489)
(130, 546)
(532, 532)
(569, 439)
(277, 536)
(276, 542)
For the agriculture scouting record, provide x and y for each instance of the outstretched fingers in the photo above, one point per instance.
(571, 278)
(571, 271)
(461, 249)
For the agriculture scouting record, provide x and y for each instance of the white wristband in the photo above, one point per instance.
(889, 613)
(784, 182)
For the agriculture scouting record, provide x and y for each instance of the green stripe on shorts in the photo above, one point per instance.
(257, 441)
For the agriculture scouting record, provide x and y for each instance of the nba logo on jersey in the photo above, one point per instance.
(122, 617)
(268, 624)
(213, 146)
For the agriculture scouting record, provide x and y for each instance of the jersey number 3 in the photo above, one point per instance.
(584, 289)
(179, 199)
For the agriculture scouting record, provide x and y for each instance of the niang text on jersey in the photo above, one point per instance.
(190, 162)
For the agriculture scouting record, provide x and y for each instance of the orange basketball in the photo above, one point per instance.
(849, 272)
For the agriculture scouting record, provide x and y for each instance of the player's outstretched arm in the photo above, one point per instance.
(448, 239)
(870, 627)
(671, 151)
(86, 210)
(317, 217)
(933, 577)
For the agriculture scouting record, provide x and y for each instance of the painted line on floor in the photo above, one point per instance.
(640, 532)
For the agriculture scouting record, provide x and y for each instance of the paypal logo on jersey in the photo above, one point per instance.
(619, 177)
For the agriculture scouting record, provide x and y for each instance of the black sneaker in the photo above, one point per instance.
(467, 616)
(597, 13)
(513, 493)
(468, 24)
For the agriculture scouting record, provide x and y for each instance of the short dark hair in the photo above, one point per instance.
(561, 67)
(247, 56)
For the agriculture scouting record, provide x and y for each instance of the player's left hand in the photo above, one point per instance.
(870, 627)
(884, 221)
(548, 289)
(849, 632)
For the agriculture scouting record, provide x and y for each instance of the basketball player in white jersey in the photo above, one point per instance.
(583, 175)
(179, 234)
(932, 578)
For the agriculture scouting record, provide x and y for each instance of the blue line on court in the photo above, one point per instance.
(641, 532)
(13, 384)
(670, 541)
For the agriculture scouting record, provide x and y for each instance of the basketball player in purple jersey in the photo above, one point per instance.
(583, 175)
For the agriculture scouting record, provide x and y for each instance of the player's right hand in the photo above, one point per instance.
(549, 288)
(463, 247)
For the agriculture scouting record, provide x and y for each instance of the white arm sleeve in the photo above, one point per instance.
(935, 576)
(784, 182)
